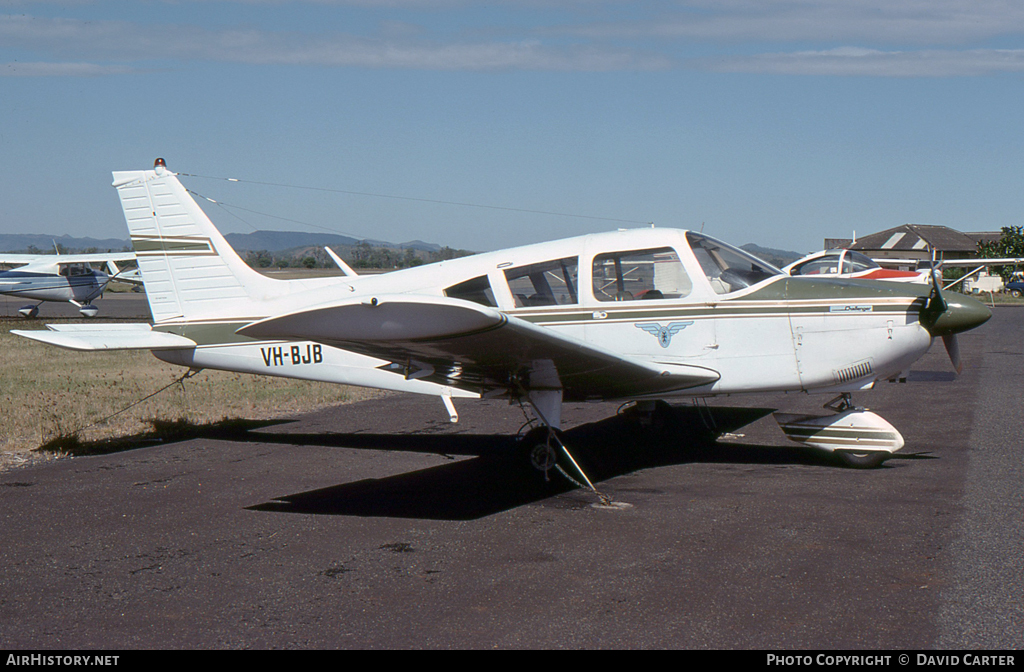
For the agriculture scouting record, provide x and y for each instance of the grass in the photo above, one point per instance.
(997, 299)
(55, 397)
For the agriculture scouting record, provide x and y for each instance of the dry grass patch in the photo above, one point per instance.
(48, 392)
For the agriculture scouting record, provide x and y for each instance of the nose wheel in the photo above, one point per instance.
(29, 312)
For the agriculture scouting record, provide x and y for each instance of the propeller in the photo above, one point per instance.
(953, 350)
(947, 317)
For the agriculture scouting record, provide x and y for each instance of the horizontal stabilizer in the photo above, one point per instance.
(107, 337)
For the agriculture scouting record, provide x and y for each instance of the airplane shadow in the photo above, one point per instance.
(498, 478)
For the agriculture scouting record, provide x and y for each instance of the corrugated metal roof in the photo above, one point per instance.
(918, 237)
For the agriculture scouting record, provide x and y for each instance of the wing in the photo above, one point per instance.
(476, 348)
(93, 258)
(17, 259)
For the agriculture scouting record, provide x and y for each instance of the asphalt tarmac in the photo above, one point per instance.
(112, 306)
(382, 525)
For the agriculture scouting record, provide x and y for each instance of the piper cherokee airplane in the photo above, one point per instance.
(642, 315)
(61, 277)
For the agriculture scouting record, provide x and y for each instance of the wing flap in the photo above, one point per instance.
(466, 345)
(107, 337)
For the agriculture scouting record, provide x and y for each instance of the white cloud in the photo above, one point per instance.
(878, 21)
(127, 42)
(19, 69)
(855, 61)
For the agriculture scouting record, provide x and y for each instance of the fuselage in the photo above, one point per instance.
(658, 295)
(48, 282)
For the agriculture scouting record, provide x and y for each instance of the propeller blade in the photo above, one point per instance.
(953, 349)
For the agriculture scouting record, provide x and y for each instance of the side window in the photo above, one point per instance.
(549, 283)
(640, 274)
(477, 290)
(729, 269)
(74, 270)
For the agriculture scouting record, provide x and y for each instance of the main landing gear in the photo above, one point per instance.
(543, 448)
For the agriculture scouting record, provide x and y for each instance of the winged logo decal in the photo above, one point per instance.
(663, 334)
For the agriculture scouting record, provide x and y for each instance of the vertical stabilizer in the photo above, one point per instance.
(189, 270)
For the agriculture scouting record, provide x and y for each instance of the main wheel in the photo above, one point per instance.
(539, 449)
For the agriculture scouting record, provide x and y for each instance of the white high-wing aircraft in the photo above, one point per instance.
(61, 277)
(644, 315)
(843, 263)
(979, 264)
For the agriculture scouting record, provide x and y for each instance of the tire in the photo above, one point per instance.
(537, 452)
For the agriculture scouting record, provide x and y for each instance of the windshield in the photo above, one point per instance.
(855, 262)
(729, 269)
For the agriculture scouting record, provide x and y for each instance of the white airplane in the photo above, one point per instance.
(642, 315)
(62, 277)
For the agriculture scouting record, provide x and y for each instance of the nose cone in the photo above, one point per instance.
(962, 313)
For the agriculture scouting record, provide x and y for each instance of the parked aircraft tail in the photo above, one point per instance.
(189, 270)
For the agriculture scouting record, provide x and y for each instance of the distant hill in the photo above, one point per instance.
(271, 241)
(276, 241)
(23, 242)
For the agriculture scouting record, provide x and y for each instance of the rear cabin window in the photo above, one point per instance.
(477, 290)
(640, 274)
(549, 283)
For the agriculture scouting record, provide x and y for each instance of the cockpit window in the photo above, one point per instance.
(729, 269)
(549, 283)
(477, 290)
(640, 274)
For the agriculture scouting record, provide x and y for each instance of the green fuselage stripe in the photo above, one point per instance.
(223, 331)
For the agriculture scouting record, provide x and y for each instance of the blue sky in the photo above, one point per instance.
(777, 122)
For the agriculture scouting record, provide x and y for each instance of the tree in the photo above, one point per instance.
(259, 259)
(1011, 244)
